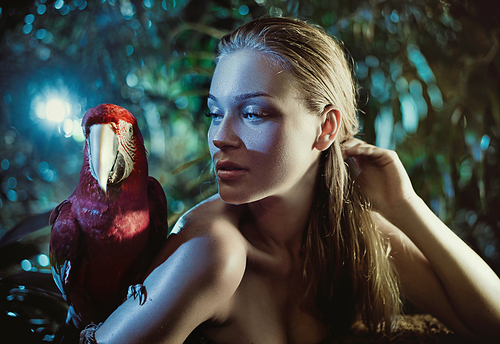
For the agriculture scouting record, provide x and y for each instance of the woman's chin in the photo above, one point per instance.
(232, 200)
(233, 197)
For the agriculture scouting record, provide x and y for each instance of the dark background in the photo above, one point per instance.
(428, 73)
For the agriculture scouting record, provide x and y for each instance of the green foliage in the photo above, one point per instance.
(428, 73)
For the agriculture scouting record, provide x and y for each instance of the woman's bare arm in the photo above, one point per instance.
(194, 278)
(439, 272)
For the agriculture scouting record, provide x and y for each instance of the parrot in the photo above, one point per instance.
(105, 235)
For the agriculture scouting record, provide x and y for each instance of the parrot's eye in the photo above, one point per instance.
(128, 129)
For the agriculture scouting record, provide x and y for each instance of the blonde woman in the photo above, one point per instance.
(295, 246)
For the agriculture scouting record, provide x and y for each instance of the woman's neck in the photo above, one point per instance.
(279, 221)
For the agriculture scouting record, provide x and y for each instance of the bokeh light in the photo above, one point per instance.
(43, 260)
(26, 265)
(53, 110)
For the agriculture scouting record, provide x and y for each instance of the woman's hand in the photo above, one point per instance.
(439, 273)
(382, 176)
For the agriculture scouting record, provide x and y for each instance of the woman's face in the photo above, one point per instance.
(262, 137)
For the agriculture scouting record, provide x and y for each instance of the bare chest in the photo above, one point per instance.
(267, 308)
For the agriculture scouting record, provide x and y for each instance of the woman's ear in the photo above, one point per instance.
(330, 123)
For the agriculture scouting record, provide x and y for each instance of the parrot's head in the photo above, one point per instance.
(114, 144)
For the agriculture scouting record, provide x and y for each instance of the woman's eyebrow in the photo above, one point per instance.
(244, 96)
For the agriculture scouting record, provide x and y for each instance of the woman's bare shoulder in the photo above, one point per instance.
(213, 224)
(210, 217)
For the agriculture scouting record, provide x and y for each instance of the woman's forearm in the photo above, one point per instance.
(472, 287)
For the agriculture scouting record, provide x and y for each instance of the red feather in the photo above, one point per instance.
(102, 242)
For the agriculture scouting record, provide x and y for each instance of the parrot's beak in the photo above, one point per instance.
(103, 148)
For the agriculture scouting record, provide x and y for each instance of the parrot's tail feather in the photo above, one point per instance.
(73, 317)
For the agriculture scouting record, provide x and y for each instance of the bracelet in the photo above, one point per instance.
(87, 336)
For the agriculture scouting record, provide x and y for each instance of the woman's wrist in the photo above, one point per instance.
(399, 212)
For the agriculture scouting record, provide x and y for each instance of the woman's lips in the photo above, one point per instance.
(227, 170)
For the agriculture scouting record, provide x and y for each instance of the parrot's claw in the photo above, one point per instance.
(137, 291)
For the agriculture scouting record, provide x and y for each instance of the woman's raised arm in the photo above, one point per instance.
(438, 271)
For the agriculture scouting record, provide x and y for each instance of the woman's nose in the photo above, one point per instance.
(224, 135)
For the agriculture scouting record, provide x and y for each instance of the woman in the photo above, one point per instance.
(289, 250)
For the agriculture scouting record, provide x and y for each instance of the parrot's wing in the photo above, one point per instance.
(63, 246)
(158, 225)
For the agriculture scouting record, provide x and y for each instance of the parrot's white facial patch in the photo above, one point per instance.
(126, 151)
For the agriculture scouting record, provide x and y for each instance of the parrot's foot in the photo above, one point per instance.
(137, 291)
(87, 336)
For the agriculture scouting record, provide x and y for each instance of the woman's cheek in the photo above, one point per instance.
(264, 141)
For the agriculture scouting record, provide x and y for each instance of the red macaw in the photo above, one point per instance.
(106, 234)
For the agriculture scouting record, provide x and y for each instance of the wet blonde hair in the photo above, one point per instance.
(347, 269)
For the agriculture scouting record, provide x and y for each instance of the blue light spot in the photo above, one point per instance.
(399, 133)
(490, 251)
(415, 87)
(181, 102)
(485, 142)
(12, 195)
(177, 207)
(12, 183)
(44, 54)
(5, 164)
(65, 10)
(127, 9)
(40, 34)
(26, 265)
(12, 314)
(148, 3)
(20, 159)
(132, 80)
(423, 69)
(448, 186)
(29, 19)
(43, 260)
(59, 4)
(394, 16)
(436, 206)
(27, 28)
(416, 92)
(243, 10)
(23, 195)
(130, 49)
(384, 124)
(435, 96)
(41, 9)
(372, 61)
(49, 176)
(409, 112)
(361, 70)
(43, 167)
(401, 85)
(378, 82)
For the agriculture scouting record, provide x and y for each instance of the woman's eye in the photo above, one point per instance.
(215, 117)
(254, 115)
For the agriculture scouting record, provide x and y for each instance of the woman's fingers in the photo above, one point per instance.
(357, 148)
